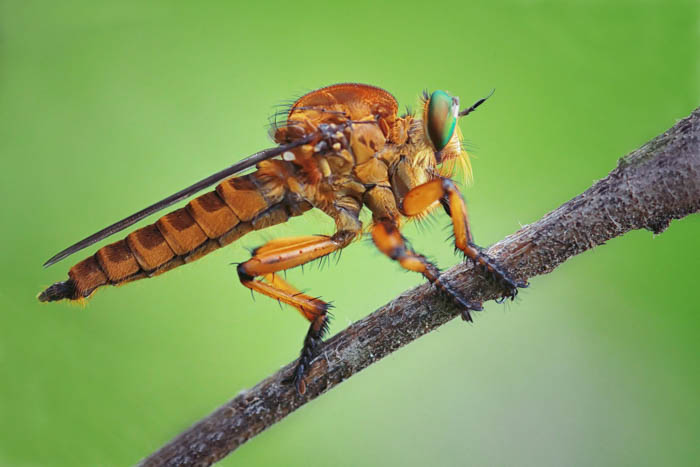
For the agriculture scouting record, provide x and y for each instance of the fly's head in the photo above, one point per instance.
(441, 134)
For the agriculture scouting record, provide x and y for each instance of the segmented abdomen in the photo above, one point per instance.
(208, 222)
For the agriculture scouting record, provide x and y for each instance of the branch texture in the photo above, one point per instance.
(651, 186)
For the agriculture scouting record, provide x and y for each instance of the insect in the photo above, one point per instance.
(341, 148)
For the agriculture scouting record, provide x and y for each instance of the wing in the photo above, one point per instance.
(179, 196)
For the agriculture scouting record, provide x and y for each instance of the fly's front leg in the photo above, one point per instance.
(389, 241)
(445, 191)
(282, 254)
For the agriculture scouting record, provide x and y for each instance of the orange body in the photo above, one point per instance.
(375, 163)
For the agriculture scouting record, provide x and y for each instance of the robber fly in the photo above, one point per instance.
(341, 148)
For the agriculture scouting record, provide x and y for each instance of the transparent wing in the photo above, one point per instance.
(179, 196)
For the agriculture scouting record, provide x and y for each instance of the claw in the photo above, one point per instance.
(299, 381)
(461, 302)
(494, 272)
(465, 305)
(297, 378)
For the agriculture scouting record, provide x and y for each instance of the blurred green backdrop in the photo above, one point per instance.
(108, 106)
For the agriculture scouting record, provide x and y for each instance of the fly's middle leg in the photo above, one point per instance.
(279, 255)
(388, 239)
(445, 191)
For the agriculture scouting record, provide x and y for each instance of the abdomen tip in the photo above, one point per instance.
(59, 291)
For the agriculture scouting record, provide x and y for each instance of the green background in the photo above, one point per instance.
(108, 106)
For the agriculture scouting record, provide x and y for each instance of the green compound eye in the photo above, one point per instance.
(441, 118)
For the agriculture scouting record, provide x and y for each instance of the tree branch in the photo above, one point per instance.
(651, 186)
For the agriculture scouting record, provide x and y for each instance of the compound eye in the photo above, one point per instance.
(441, 118)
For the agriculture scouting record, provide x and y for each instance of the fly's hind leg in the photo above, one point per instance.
(317, 314)
(386, 236)
(445, 191)
(282, 254)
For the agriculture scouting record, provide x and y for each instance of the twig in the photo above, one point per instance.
(650, 187)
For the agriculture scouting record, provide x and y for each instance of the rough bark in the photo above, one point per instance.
(649, 187)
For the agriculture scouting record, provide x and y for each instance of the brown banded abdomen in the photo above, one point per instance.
(208, 222)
